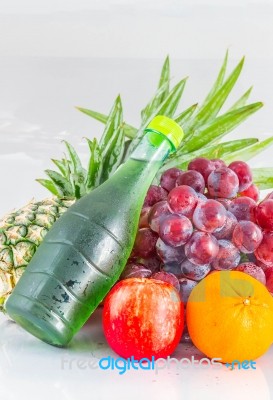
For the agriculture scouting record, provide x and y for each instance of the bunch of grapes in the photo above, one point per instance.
(205, 219)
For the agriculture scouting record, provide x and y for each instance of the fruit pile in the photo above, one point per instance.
(204, 219)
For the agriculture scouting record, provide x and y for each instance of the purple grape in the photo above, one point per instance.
(228, 256)
(202, 248)
(223, 182)
(243, 208)
(202, 165)
(227, 229)
(169, 254)
(247, 236)
(134, 270)
(252, 270)
(154, 195)
(168, 178)
(209, 216)
(224, 202)
(194, 272)
(145, 243)
(157, 213)
(193, 179)
(172, 267)
(186, 287)
(167, 277)
(175, 230)
(201, 198)
(151, 263)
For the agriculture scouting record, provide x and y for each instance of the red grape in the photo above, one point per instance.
(167, 277)
(202, 248)
(152, 263)
(223, 182)
(173, 268)
(168, 178)
(264, 252)
(247, 236)
(169, 254)
(252, 270)
(158, 212)
(227, 258)
(252, 192)
(143, 220)
(243, 172)
(264, 214)
(193, 179)
(209, 216)
(135, 270)
(227, 229)
(194, 272)
(183, 200)
(243, 208)
(154, 195)
(201, 198)
(202, 165)
(145, 243)
(218, 163)
(175, 230)
(269, 279)
(224, 202)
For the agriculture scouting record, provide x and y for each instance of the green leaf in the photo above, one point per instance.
(49, 185)
(185, 115)
(62, 184)
(242, 100)
(219, 80)
(78, 173)
(263, 177)
(220, 127)
(93, 171)
(61, 166)
(112, 142)
(247, 154)
(210, 109)
(129, 130)
(165, 79)
(181, 160)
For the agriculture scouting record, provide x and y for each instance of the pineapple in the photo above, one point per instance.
(23, 230)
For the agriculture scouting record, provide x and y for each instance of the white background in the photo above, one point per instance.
(58, 54)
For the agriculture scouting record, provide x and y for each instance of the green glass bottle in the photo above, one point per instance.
(85, 251)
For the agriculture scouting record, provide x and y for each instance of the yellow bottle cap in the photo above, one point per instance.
(167, 127)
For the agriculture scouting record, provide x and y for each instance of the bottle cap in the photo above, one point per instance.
(167, 127)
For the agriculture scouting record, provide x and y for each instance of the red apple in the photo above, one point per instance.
(143, 318)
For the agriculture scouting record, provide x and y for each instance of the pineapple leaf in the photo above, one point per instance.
(252, 151)
(263, 177)
(129, 130)
(93, 171)
(219, 80)
(168, 108)
(61, 166)
(184, 116)
(242, 100)
(181, 160)
(49, 185)
(220, 126)
(112, 142)
(61, 183)
(79, 173)
(161, 93)
(209, 110)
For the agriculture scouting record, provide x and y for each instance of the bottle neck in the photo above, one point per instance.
(153, 147)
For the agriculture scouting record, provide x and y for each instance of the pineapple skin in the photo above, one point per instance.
(21, 232)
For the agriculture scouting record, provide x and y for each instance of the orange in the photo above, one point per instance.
(230, 315)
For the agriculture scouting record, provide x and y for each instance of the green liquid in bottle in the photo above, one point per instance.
(84, 253)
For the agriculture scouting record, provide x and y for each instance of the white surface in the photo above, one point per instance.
(57, 54)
